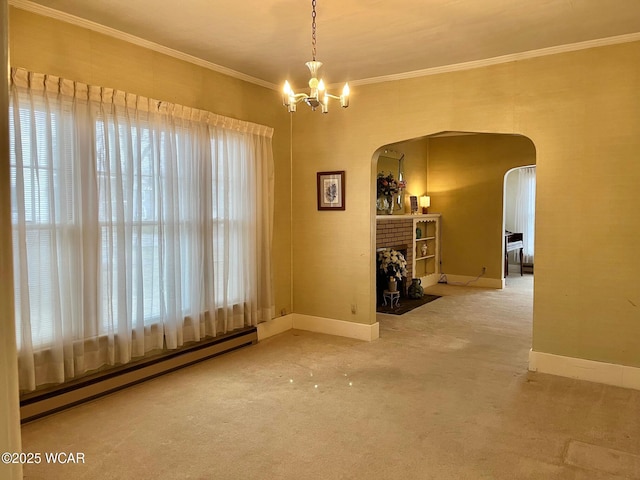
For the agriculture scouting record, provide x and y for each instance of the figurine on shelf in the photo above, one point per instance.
(424, 249)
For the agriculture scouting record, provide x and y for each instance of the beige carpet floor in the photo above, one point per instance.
(443, 394)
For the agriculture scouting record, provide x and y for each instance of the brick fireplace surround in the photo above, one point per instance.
(396, 233)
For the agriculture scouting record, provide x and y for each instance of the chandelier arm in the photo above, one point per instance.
(298, 96)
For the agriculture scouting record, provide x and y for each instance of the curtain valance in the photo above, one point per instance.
(78, 90)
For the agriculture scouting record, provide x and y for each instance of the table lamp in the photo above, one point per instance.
(425, 203)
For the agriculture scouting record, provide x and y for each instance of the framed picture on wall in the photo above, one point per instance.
(331, 190)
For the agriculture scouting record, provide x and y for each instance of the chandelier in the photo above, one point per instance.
(318, 95)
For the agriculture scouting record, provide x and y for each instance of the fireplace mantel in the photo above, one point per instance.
(405, 216)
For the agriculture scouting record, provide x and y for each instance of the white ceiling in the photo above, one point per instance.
(357, 40)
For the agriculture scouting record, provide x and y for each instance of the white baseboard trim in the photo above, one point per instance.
(473, 282)
(581, 369)
(310, 323)
(339, 328)
(429, 280)
(275, 326)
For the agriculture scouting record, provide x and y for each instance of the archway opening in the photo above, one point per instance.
(463, 174)
(519, 220)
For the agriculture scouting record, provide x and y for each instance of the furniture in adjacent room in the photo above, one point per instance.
(512, 242)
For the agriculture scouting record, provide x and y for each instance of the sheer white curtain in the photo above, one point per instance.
(137, 225)
(525, 211)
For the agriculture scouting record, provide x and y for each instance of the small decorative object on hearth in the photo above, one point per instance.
(392, 264)
(415, 289)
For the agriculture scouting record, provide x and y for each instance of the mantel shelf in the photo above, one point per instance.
(419, 216)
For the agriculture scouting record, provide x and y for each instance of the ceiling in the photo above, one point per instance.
(357, 40)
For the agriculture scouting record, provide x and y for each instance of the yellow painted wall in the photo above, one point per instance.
(582, 112)
(50, 46)
(415, 169)
(466, 182)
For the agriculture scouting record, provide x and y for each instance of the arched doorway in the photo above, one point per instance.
(463, 174)
(519, 219)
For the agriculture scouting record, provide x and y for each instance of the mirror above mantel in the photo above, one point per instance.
(390, 164)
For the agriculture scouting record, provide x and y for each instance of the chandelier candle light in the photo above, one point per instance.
(318, 95)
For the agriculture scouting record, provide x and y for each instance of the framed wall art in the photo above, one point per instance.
(331, 190)
(414, 204)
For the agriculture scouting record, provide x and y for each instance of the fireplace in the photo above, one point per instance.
(382, 279)
(397, 234)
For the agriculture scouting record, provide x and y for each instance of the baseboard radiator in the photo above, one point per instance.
(39, 404)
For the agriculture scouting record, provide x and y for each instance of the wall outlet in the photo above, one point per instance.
(484, 270)
(354, 308)
(283, 312)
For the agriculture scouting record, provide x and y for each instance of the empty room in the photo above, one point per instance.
(320, 239)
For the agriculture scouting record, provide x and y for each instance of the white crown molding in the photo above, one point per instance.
(112, 32)
(141, 42)
(571, 47)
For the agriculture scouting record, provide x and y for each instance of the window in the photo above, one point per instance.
(44, 169)
(134, 229)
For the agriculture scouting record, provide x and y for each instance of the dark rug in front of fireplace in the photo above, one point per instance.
(406, 305)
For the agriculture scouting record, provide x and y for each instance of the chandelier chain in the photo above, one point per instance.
(313, 29)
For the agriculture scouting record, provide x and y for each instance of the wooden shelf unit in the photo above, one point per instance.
(426, 266)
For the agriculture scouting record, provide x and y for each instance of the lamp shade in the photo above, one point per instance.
(425, 201)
